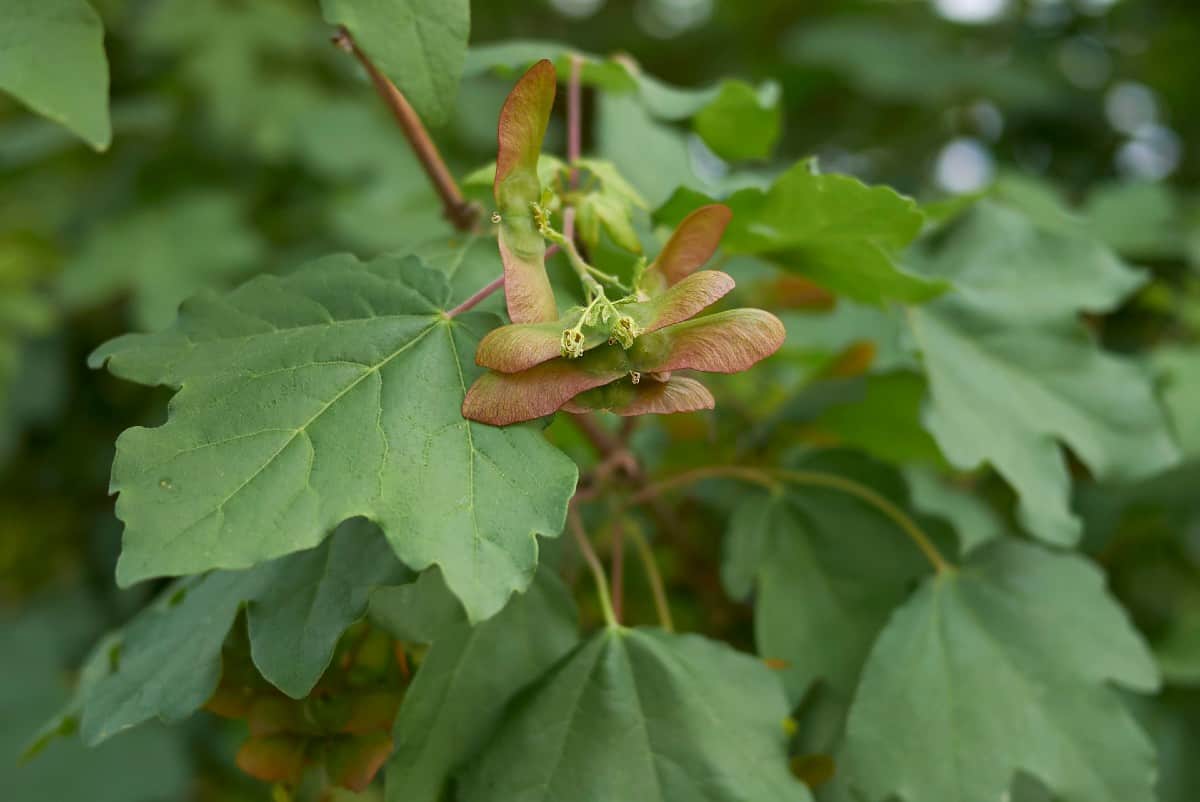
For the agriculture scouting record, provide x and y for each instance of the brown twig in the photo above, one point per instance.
(461, 214)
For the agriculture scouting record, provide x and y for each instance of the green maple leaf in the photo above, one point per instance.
(419, 44)
(834, 229)
(166, 663)
(825, 569)
(741, 122)
(1003, 666)
(152, 255)
(642, 716)
(1012, 371)
(469, 675)
(330, 393)
(52, 59)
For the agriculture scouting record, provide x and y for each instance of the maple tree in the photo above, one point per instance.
(518, 505)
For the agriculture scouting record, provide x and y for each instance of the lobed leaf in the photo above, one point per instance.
(1012, 372)
(826, 571)
(330, 393)
(837, 231)
(1000, 667)
(642, 716)
(167, 662)
(469, 676)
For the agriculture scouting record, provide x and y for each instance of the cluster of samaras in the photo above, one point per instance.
(618, 355)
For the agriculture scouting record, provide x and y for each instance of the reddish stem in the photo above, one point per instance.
(479, 295)
(457, 210)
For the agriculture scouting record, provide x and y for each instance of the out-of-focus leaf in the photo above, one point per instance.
(1140, 220)
(166, 663)
(469, 675)
(38, 648)
(642, 716)
(26, 312)
(886, 422)
(161, 255)
(734, 118)
(419, 44)
(1012, 371)
(834, 229)
(973, 520)
(321, 396)
(653, 155)
(741, 122)
(52, 59)
(1020, 644)
(1179, 370)
(905, 65)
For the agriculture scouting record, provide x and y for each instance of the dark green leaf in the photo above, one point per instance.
(643, 716)
(469, 675)
(827, 570)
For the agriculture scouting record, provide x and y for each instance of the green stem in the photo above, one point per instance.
(772, 478)
(589, 555)
(653, 575)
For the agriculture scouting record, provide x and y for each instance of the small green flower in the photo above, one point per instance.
(624, 331)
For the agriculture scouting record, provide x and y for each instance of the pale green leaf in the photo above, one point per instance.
(1004, 665)
(643, 716)
(973, 520)
(469, 675)
(1141, 220)
(834, 229)
(330, 393)
(1178, 369)
(167, 662)
(52, 60)
(161, 255)
(420, 45)
(741, 122)
(1012, 372)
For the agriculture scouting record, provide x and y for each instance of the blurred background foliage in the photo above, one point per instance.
(244, 142)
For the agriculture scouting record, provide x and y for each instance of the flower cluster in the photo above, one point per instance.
(620, 355)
